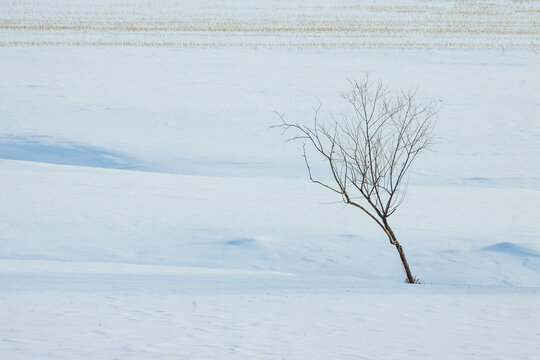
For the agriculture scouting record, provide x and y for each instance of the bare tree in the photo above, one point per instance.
(369, 150)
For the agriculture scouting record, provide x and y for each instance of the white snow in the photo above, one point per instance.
(148, 211)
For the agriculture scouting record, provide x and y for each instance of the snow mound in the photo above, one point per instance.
(511, 249)
(242, 242)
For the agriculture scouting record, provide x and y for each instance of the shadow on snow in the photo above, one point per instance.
(48, 149)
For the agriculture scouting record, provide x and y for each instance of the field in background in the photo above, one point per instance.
(292, 24)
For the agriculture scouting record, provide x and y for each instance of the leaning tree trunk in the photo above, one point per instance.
(393, 240)
(410, 277)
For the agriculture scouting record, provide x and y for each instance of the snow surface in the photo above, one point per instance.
(148, 211)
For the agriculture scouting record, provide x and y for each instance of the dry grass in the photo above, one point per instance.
(251, 45)
(500, 26)
(464, 24)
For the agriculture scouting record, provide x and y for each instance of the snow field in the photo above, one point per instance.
(351, 320)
